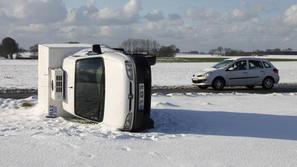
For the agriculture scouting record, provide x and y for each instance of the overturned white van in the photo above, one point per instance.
(95, 83)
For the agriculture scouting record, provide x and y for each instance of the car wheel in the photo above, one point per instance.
(218, 84)
(268, 83)
(250, 86)
(202, 86)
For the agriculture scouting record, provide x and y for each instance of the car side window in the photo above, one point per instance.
(238, 66)
(254, 64)
(266, 65)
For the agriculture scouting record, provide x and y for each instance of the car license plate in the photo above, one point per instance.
(141, 97)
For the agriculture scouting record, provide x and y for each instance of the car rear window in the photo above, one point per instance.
(254, 64)
(266, 65)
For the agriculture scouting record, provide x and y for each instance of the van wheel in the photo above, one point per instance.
(202, 87)
(268, 83)
(250, 86)
(218, 84)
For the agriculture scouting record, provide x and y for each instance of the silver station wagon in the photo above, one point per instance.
(243, 71)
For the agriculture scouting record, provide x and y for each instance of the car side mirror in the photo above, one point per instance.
(230, 69)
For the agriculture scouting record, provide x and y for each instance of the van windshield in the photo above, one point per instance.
(89, 88)
(223, 64)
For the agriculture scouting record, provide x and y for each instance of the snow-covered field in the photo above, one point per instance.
(23, 73)
(192, 129)
(18, 74)
(211, 130)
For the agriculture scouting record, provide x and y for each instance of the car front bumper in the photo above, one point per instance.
(200, 81)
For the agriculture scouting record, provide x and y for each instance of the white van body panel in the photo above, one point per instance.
(117, 84)
(51, 56)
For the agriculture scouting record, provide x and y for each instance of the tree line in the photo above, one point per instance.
(233, 52)
(9, 47)
(149, 47)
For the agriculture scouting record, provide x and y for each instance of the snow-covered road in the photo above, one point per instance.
(192, 129)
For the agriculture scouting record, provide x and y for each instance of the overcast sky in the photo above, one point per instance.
(189, 24)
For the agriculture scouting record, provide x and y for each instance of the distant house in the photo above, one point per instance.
(25, 55)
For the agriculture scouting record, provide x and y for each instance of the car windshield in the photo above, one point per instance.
(223, 64)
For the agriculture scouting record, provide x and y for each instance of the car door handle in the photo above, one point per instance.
(245, 72)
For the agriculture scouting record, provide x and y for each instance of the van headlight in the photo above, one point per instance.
(129, 70)
(128, 121)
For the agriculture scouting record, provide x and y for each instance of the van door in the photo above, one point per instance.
(90, 88)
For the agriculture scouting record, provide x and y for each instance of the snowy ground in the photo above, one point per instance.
(192, 129)
(23, 73)
(18, 74)
(211, 130)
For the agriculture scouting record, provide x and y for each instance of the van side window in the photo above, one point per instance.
(254, 64)
(266, 65)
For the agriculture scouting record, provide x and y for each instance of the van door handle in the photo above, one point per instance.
(71, 87)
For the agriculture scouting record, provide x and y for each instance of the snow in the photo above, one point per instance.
(23, 73)
(18, 74)
(192, 129)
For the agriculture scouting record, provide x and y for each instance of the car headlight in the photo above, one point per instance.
(206, 74)
(129, 70)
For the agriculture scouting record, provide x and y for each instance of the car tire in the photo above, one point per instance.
(250, 86)
(268, 83)
(218, 84)
(202, 87)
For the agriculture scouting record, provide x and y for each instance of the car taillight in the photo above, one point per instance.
(275, 70)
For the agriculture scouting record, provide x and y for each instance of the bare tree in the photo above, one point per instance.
(134, 46)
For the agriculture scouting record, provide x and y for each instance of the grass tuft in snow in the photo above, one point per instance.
(27, 105)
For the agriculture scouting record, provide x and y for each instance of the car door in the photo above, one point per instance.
(256, 72)
(237, 73)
